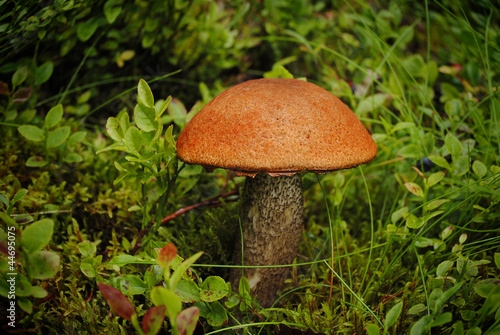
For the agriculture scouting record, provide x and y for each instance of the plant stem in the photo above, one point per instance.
(135, 323)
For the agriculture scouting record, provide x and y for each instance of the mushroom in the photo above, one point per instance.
(271, 130)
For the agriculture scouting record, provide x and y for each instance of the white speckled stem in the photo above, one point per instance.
(272, 215)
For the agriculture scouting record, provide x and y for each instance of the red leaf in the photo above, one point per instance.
(153, 320)
(4, 88)
(22, 95)
(166, 255)
(117, 301)
(4, 249)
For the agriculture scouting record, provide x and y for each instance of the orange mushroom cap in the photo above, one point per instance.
(277, 126)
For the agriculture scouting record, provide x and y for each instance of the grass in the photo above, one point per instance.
(408, 243)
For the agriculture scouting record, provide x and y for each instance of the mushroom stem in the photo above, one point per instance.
(272, 215)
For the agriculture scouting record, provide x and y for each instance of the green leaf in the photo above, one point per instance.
(114, 129)
(133, 139)
(420, 327)
(187, 320)
(86, 29)
(148, 40)
(449, 92)
(132, 284)
(492, 302)
(415, 189)
(144, 94)
(423, 242)
(36, 161)
(397, 215)
(87, 248)
(87, 269)
(162, 296)
(24, 218)
(115, 146)
(244, 287)
(213, 289)
(459, 328)
(372, 329)
(217, 315)
(163, 108)
(447, 295)
(44, 72)
(32, 133)
(188, 290)
(124, 119)
(23, 286)
(73, 157)
(37, 235)
(393, 314)
(432, 205)
(125, 259)
(430, 215)
(134, 208)
(205, 92)
(428, 143)
(110, 11)
(414, 64)
(233, 300)
(442, 319)
(453, 108)
(453, 145)
(19, 195)
(144, 117)
(417, 309)
(461, 166)
(182, 268)
(38, 292)
(169, 137)
(435, 178)
(4, 200)
(26, 116)
(440, 161)
(19, 76)
(497, 260)
(371, 103)
(54, 115)
(478, 331)
(484, 288)
(57, 136)
(177, 111)
(402, 125)
(26, 305)
(410, 151)
(44, 264)
(479, 168)
(119, 167)
(443, 267)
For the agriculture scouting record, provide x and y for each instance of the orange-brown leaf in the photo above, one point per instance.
(117, 301)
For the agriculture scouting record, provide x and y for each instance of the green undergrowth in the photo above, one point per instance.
(106, 231)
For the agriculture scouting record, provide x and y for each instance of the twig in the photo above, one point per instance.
(209, 202)
(47, 212)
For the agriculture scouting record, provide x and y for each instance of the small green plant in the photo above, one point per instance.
(53, 136)
(456, 286)
(178, 287)
(24, 258)
(23, 81)
(150, 153)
